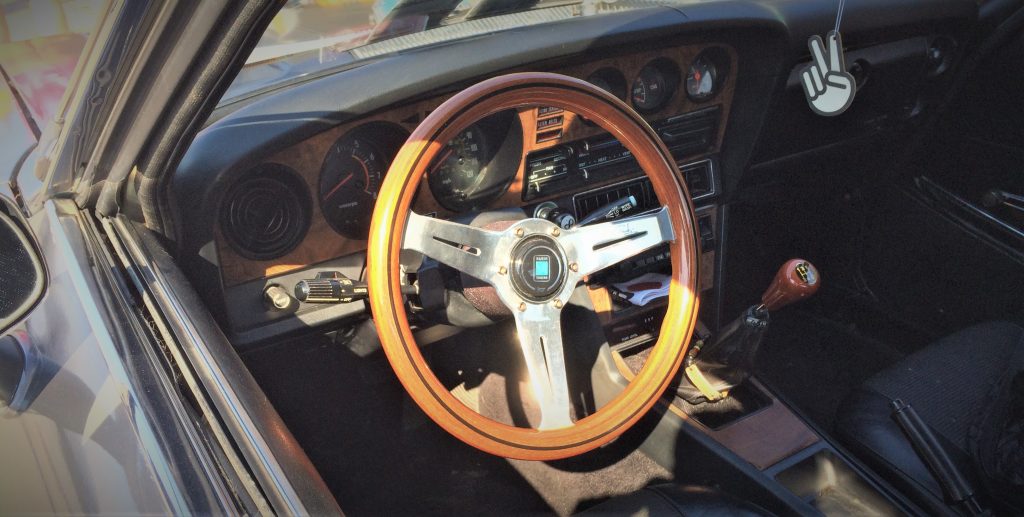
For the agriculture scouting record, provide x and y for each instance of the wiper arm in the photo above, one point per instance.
(486, 8)
(412, 16)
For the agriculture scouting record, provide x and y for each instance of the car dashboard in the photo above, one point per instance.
(281, 188)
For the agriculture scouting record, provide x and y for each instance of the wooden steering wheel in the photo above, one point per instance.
(534, 267)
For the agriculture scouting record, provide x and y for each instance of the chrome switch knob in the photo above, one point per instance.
(277, 297)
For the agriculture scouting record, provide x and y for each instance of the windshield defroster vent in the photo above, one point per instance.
(266, 213)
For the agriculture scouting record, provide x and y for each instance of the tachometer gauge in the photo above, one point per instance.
(349, 182)
(702, 80)
(457, 174)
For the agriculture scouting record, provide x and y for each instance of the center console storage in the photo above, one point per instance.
(825, 481)
(755, 440)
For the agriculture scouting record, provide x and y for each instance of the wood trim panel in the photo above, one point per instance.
(322, 243)
(765, 437)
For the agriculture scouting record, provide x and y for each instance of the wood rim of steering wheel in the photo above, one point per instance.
(518, 91)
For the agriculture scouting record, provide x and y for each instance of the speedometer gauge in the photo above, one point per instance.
(349, 182)
(457, 175)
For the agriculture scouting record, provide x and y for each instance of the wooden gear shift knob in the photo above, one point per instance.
(797, 279)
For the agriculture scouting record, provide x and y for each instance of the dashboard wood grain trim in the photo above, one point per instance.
(322, 243)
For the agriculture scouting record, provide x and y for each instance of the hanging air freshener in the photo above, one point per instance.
(828, 86)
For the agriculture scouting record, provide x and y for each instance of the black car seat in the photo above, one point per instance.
(969, 390)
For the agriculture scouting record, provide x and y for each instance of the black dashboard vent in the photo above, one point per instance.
(700, 181)
(691, 133)
(640, 188)
(266, 213)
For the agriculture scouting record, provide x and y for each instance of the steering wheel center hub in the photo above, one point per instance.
(538, 268)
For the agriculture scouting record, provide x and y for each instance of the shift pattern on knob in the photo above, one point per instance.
(797, 279)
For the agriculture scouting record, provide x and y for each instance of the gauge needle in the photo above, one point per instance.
(339, 185)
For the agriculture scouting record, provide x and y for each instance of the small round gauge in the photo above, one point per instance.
(600, 82)
(349, 182)
(653, 86)
(609, 80)
(702, 80)
(457, 174)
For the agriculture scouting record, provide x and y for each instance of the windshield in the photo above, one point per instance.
(309, 36)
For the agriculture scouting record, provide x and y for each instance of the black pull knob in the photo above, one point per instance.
(330, 287)
(995, 198)
(563, 220)
(277, 298)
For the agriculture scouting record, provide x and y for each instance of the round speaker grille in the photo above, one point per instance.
(266, 213)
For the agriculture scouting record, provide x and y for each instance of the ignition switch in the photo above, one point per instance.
(551, 212)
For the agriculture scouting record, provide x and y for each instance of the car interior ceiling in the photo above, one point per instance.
(903, 204)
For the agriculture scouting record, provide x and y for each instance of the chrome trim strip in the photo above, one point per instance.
(971, 209)
(69, 244)
(264, 465)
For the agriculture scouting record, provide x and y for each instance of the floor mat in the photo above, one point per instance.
(380, 455)
(816, 362)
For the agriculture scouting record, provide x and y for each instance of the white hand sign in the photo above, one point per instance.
(827, 84)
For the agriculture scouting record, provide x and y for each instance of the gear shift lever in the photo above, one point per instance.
(797, 279)
(716, 368)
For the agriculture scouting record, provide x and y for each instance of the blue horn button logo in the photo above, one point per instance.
(542, 268)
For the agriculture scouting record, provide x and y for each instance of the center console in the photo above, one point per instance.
(748, 435)
(755, 438)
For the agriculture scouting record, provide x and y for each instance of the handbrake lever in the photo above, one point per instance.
(955, 487)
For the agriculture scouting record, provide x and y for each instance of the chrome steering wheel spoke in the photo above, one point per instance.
(540, 336)
(603, 245)
(463, 247)
(534, 267)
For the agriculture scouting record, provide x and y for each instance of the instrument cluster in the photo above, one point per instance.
(477, 167)
(473, 169)
(659, 80)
